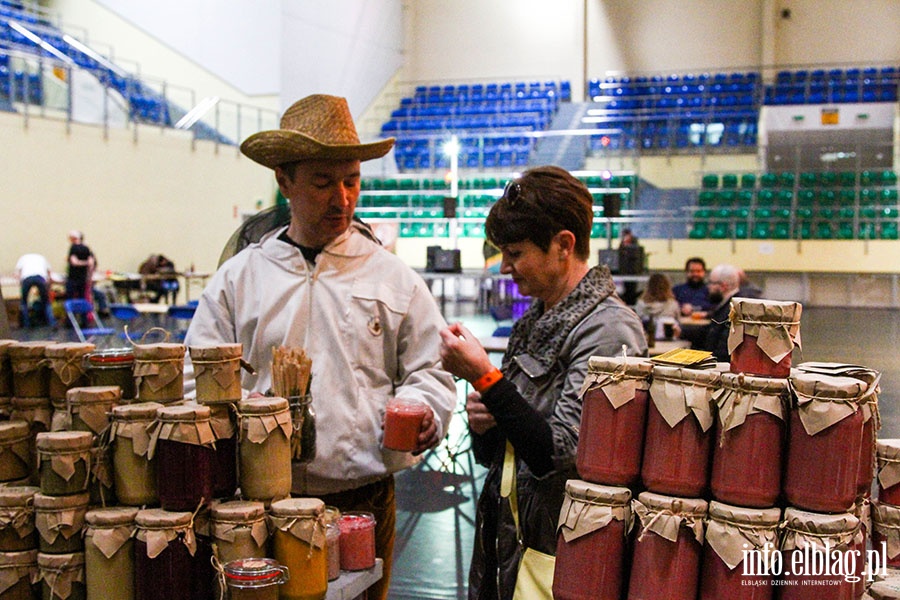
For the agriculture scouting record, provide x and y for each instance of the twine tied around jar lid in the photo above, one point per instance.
(156, 528)
(677, 392)
(776, 325)
(258, 418)
(66, 359)
(730, 530)
(61, 571)
(588, 507)
(666, 515)
(225, 518)
(15, 566)
(17, 509)
(886, 521)
(187, 424)
(131, 421)
(824, 400)
(741, 395)
(158, 365)
(803, 528)
(110, 528)
(302, 518)
(620, 377)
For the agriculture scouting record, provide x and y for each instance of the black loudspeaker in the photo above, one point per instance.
(438, 260)
(631, 260)
(612, 206)
(449, 207)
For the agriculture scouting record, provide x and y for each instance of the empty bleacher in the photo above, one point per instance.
(833, 86)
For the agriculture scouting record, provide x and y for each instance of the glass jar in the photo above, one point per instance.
(164, 545)
(35, 411)
(182, 440)
(239, 530)
(254, 578)
(825, 444)
(31, 374)
(66, 361)
(63, 576)
(751, 429)
(402, 421)
(357, 540)
(832, 536)
(303, 424)
(159, 372)
(886, 530)
(299, 545)
(591, 550)
(613, 418)
(222, 419)
(60, 519)
(134, 472)
(6, 374)
(888, 452)
(762, 336)
(678, 438)
(65, 461)
(16, 459)
(90, 407)
(113, 367)
(264, 448)
(60, 419)
(17, 530)
(19, 575)
(108, 552)
(732, 532)
(666, 557)
(333, 541)
(217, 372)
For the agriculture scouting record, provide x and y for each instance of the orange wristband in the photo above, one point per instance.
(484, 383)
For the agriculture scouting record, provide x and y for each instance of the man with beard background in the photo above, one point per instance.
(724, 282)
(692, 295)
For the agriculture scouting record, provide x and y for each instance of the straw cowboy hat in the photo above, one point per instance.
(318, 127)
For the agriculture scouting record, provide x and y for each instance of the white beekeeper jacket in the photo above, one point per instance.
(368, 323)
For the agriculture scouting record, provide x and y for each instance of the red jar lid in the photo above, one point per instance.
(121, 355)
(254, 572)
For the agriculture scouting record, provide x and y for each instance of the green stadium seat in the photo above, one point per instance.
(729, 180)
(847, 179)
(761, 230)
(826, 213)
(805, 212)
(889, 231)
(890, 212)
(845, 230)
(766, 197)
(806, 197)
(706, 198)
(867, 230)
(785, 198)
(725, 198)
(828, 179)
(868, 178)
(847, 197)
(888, 178)
(768, 180)
(808, 179)
(710, 181)
(846, 212)
(889, 196)
(703, 213)
(720, 231)
(805, 230)
(748, 181)
(762, 213)
(824, 231)
(699, 230)
(827, 197)
(745, 198)
(741, 230)
(782, 230)
(786, 179)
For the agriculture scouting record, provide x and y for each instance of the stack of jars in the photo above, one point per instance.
(19, 575)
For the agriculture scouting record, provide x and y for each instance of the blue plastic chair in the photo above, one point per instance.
(79, 307)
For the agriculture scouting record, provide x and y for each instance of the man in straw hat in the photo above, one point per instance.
(323, 283)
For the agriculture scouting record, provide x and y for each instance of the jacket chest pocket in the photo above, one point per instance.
(374, 320)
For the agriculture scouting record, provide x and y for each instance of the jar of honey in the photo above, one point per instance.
(751, 429)
(62, 576)
(17, 530)
(667, 551)
(825, 443)
(239, 530)
(65, 461)
(762, 336)
(299, 545)
(164, 546)
(265, 448)
(592, 549)
(66, 362)
(182, 440)
(113, 367)
(134, 471)
(217, 371)
(31, 374)
(159, 372)
(731, 533)
(109, 552)
(613, 418)
(678, 438)
(60, 519)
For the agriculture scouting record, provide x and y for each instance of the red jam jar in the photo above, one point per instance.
(666, 559)
(591, 549)
(886, 530)
(357, 541)
(183, 445)
(164, 546)
(732, 532)
(613, 418)
(750, 430)
(807, 537)
(402, 421)
(113, 367)
(678, 439)
(888, 452)
(825, 441)
(762, 336)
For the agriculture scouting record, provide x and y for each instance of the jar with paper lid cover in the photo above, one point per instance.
(678, 438)
(19, 577)
(591, 551)
(65, 461)
(750, 429)
(613, 418)
(6, 375)
(164, 546)
(62, 576)
(114, 366)
(34, 411)
(134, 470)
(733, 534)
(835, 536)
(888, 452)
(886, 530)
(668, 547)
(223, 420)
(17, 530)
(16, 459)
(825, 443)
(182, 441)
(60, 519)
(31, 375)
(159, 372)
(90, 407)
(239, 529)
(108, 552)
(217, 371)
(299, 545)
(265, 448)
(67, 369)
(763, 335)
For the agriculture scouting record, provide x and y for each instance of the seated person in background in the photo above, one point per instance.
(748, 289)
(693, 295)
(724, 282)
(658, 302)
(33, 271)
(162, 286)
